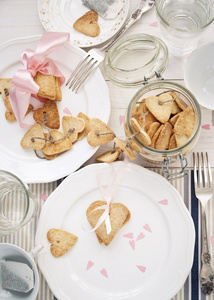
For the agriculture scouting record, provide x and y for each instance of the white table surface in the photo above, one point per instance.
(19, 18)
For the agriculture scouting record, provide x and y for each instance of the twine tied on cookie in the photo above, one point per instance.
(108, 193)
(33, 62)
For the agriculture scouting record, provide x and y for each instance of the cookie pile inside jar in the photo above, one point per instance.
(163, 121)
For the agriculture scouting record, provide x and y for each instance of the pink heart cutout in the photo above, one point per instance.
(147, 227)
(164, 202)
(67, 111)
(129, 235)
(43, 196)
(154, 24)
(142, 268)
(206, 126)
(104, 272)
(212, 240)
(89, 265)
(132, 244)
(140, 236)
(121, 119)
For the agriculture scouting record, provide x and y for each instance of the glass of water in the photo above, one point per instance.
(182, 22)
(17, 204)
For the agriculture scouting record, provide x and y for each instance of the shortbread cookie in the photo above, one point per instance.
(49, 86)
(119, 215)
(99, 133)
(87, 24)
(158, 107)
(33, 138)
(61, 241)
(48, 115)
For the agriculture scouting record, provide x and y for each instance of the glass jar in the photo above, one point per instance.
(148, 56)
(163, 157)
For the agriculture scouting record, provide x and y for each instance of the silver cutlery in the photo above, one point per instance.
(203, 191)
(94, 57)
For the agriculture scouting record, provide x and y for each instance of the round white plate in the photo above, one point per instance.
(199, 75)
(93, 100)
(58, 15)
(149, 258)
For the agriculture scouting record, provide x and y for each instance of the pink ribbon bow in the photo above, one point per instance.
(114, 181)
(33, 62)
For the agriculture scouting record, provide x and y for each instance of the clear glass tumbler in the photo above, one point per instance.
(182, 22)
(17, 204)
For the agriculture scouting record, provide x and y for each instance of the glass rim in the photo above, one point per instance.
(180, 29)
(22, 221)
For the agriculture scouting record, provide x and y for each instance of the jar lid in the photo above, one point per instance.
(136, 59)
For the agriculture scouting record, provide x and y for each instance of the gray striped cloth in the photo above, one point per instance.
(191, 289)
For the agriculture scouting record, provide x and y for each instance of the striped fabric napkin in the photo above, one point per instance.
(191, 289)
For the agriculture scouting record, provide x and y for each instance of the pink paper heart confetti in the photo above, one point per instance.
(121, 119)
(140, 236)
(206, 126)
(164, 202)
(104, 272)
(141, 268)
(43, 196)
(147, 227)
(132, 244)
(154, 24)
(89, 265)
(129, 235)
(67, 111)
(212, 240)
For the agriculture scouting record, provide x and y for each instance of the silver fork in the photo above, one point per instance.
(203, 191)
(92, 59)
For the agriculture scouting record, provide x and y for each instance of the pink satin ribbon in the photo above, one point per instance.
(33, 62)
(107, 194)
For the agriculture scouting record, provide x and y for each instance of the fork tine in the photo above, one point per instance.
(83, 76)
(209, 171)
(86, 76)
(77, 69)
(195, 170)
(204, 169)
(81, 71)
(200, 180)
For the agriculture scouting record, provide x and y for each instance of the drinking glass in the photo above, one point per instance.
(182, 22)
(17, 204)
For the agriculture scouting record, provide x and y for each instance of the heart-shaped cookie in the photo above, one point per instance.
(61, 241)
(125, 147)
(5, 87)
(100, 133)
(87, 127)
(61, 143)
(33, 138)
(48, 112)
(118, 214)
(109, 156)
(87, 24)
(75, 124)
(160, 107)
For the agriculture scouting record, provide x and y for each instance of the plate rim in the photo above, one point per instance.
(185, 212)
(127, 5)
(90, 153)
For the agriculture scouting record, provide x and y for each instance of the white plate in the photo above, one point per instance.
(199, 75)
(161, 261)
(58, 15)
(93, 100)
